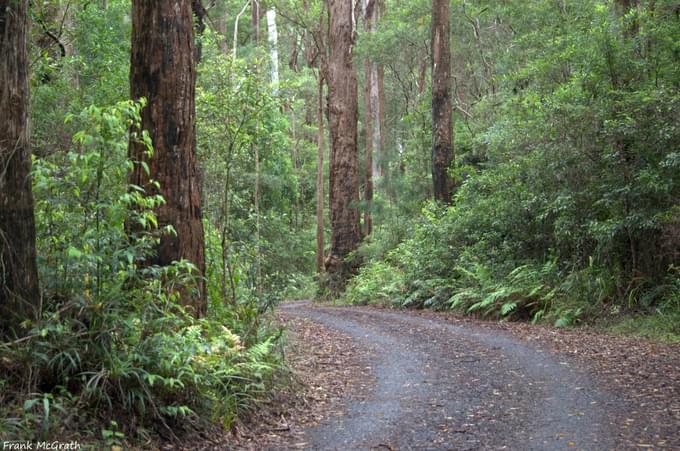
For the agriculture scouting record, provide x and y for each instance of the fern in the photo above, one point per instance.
(508, 308)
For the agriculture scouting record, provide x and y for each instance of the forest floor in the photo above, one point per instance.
(392, 380)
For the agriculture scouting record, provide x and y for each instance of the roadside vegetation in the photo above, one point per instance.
(567, 178)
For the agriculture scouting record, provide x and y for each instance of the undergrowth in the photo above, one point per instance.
(566, 186)
(113, 358)
(436, 269)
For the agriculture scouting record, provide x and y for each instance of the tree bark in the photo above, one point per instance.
(255, 19)
(272, 36)
(319, 179)
(163, 70)
(19, 289)
(369, 128)
(344, 158)
(256, 150)
(442, 125)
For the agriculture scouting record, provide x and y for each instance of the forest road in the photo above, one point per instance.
(442, 385)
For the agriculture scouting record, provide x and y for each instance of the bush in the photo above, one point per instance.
(376, 283)
(566, 208)
(113, 354)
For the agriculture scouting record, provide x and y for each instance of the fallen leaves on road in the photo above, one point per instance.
(644, 375)
(329, 369)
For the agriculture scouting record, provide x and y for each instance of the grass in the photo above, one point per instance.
(660, 325)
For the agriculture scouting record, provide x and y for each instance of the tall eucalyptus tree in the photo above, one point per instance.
(163, 70)
(19, 290)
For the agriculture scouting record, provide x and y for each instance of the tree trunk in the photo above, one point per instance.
(19, 290)
(374, 105)
(623, 7)
(235, 43)
(221, 25)
(442, 126)
(163, 71)
(256, 149)
(255, 20)
(319, 179)
(626, 154)
(369, 129)
(272, 36)
(344, 158)
(378, 93)
(315, 54)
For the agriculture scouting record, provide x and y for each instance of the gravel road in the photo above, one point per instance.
(441, 385)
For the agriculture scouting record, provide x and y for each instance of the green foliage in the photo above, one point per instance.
(82, 205)
(238, 113)
(141, 360)
(567, 166)
(112, 343)
(376, 283)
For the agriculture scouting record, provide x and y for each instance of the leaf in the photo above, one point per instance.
(563, 322)
(29, 403)
(73, 252)
(508, 307)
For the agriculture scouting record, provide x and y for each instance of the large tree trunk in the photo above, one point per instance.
(19, 291)
(344, 159)
(163, 71)
(442, 126)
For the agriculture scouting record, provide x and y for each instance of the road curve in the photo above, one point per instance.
(451, 386)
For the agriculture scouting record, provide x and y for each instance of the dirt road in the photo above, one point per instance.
(443, 385)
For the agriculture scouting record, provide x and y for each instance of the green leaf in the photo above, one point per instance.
(73, 252)
(30, 403)
(508, 307)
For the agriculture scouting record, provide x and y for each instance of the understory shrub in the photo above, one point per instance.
(377, 283)
(113, 356)
(568, 180)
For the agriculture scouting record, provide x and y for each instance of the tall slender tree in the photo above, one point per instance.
(369, 127)
(273, 38)
(19, 290)
(374, 108)
(256, 15)
(623, 7)
(315, 39)
(163, 71)
(319, 175)
(344, 158)
(442, 123)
